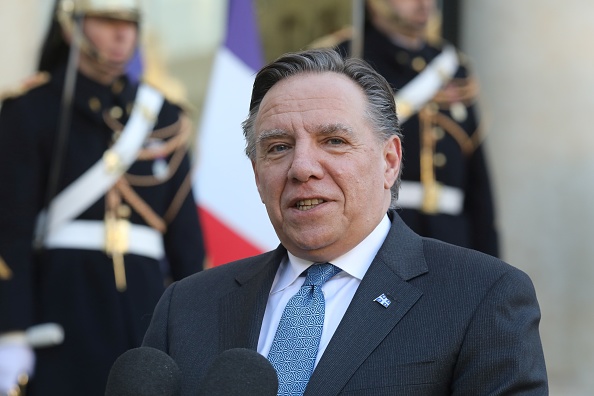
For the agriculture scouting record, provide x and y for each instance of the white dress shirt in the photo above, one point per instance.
(338, 291)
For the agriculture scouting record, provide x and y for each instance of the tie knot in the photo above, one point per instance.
(318, 274)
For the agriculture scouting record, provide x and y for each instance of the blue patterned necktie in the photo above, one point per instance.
(295, 346)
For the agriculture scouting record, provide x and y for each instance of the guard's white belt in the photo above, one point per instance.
(90, 235)
(450, 200)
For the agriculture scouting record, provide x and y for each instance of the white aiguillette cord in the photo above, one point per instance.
(97, 180)
(420, 90)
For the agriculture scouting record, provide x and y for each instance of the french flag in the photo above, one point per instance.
(234, 220)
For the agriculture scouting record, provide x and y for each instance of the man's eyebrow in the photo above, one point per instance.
(330, 129)
(271, 134)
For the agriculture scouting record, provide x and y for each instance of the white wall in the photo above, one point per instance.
(20, 46)
(535, 61)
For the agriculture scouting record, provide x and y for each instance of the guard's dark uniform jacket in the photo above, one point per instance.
(447, 126)
(75, 287)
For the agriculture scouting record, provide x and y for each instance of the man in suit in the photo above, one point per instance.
(402, 314)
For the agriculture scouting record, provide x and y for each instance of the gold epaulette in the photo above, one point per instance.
(5, 272)
(157, 76)
(333, 39)
(34, 81)
(171, 88)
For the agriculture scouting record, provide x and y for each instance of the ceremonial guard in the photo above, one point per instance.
(446, 191)
(96, 207)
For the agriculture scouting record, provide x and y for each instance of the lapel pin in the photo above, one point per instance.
(383, 300)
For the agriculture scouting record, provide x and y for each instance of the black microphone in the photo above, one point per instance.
(144, 371)
(239, 372)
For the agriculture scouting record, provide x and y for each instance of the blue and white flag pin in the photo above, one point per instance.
(383, 300)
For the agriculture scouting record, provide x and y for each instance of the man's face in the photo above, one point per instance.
(414, 14)
(115, 40)
(321, 170)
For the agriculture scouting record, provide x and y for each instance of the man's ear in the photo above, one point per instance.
(393, 160)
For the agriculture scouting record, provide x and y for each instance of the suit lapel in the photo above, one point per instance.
(242, 310)
(366, 322)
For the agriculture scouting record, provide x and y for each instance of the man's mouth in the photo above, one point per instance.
(307, 204)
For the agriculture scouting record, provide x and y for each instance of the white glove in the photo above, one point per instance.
(16, 358)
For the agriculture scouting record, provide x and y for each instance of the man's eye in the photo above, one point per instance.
(336, 141)
(278, 148)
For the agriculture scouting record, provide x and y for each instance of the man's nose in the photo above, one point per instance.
(305, 164)
(123, 27)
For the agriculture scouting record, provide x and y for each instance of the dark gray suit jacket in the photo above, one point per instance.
(460, 323)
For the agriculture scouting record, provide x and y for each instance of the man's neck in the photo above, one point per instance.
(410, 42)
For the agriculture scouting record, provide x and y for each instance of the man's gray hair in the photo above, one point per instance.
(381, 109)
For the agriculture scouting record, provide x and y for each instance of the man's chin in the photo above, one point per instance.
(118, 63)
(115, 60)
(313, 249)
(113, 67)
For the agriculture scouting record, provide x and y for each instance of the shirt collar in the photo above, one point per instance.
(355, 262)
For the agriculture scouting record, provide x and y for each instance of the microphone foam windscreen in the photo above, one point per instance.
(238, 372)
(144, 371)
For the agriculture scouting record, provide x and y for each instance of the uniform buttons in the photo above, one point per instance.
(439, 160)
(95, 104)
(116, 112)
(124, 211)
(418, 64)
(438, 132)
(112, 161)
(458, 111)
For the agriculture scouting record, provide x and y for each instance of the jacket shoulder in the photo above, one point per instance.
(468, 263)
(333, 40)
(31, 83)
(236, 271)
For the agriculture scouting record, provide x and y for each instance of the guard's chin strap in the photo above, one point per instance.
(63, 122)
